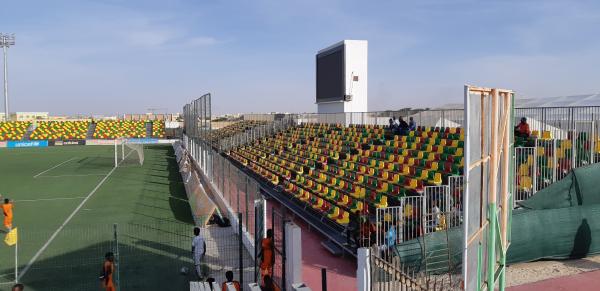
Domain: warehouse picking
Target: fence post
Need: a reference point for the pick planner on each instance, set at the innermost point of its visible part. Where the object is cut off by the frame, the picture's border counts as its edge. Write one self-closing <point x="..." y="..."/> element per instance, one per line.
<point x="241" y="249"/>
<point x="554" y="161"/>
<point x="535" y="170"/>
<point x="117" y="258"/>
<point x="323" y="279"/>
<point x="363" y="270"/>
<point x="283" y="257"/>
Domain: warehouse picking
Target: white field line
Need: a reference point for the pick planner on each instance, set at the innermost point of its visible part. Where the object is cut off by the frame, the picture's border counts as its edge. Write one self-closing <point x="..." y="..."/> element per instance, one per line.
<point x="60" y="228"/>
<point x="50" y="199"/>
<point x="56" y="166"/>
<point x="66" y="176"/>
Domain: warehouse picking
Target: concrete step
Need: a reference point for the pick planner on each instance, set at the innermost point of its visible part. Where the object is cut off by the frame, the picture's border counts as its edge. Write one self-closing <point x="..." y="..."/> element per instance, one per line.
<point x="149" y="129"/>
<point x="30" y="129"/>
<point x="333" y="248"/>
<point x="90" y="131"/>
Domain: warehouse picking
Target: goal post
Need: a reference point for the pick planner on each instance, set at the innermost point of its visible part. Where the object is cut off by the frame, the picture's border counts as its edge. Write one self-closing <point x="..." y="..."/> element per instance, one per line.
<point x="128" y="152"/>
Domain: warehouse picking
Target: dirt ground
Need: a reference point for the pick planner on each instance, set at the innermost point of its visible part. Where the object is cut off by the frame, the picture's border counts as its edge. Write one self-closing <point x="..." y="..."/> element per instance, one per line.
<point x="524" y="273"/>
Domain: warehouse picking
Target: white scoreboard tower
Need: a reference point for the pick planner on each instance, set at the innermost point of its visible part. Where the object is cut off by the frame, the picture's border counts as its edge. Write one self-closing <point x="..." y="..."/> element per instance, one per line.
<point x="342" y="77"/>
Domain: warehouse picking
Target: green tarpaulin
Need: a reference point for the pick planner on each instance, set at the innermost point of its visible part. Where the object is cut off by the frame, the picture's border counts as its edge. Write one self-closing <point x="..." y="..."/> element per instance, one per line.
<point x="559" y="222"/>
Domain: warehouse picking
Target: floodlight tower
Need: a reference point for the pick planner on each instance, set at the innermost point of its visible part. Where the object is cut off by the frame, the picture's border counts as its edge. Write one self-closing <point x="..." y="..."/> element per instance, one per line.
<point x="6" y="40"/>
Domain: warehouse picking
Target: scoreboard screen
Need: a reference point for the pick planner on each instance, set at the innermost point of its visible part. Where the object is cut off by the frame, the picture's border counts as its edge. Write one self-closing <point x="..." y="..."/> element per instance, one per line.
<point x="331" y="84"/>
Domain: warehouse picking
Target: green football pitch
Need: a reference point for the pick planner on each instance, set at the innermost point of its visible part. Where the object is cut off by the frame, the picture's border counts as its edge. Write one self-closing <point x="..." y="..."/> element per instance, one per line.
<point x="72" y="206"/>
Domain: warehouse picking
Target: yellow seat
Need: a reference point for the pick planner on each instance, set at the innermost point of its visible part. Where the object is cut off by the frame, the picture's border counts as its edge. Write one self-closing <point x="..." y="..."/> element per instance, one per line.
<point x="345" y="218"/>
<point x="424" y="174"/>
<point x="526" y="182"/>
<point x="345" y="200"/>
<point x="541" y="151"/>
<point x="459" y="152"/>
<point x="546" y="135"/>
<point x="523" y="170"/>
<point x="437" y="179"/>
<point x="335" y="213"/>
<point x="408" y="210"/>
<point x="383" y="203"/>
<point x="412" y="184"/>
<point x="359" y="206"/>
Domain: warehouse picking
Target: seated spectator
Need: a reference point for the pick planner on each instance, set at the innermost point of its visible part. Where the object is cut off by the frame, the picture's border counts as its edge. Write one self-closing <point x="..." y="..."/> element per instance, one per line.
<point x="412" y="125"/>
<point x="230" y="283"/>
<point x="522" y="129"/>
<point x="391" y="124"/>
<point x="402" y="127"/>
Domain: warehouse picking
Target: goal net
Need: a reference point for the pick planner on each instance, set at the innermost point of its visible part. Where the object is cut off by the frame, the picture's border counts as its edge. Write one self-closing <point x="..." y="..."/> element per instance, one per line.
<point x="128" y="153"/>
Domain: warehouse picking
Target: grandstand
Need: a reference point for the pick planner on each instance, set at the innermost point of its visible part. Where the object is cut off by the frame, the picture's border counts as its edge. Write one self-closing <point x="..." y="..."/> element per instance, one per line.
<point x="332" y="172"/>
<point x="233" y="129"/>
<point x="79" y="130"/>
<point x="107" y="129"/>
<point x="341" y="170"/>
<point x="13" y="130"/>
<point x="60" y="130"/>
<point x="158" y="129"/>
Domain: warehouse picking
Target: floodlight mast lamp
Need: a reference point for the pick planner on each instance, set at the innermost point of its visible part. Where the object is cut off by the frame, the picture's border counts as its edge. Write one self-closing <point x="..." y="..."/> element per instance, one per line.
<point x="6" y="40"/>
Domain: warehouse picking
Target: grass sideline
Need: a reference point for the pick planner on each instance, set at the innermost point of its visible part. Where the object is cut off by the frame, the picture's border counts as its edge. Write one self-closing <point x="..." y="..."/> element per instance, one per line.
<point x="148" y="203"/>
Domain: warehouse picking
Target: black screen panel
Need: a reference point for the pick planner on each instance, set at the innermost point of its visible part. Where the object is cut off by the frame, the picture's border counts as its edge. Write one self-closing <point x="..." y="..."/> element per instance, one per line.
<point x="330" y="75"/>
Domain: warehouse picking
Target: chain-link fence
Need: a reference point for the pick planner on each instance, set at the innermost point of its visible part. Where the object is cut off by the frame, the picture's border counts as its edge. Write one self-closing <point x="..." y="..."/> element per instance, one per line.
<point x="148" y="256"/>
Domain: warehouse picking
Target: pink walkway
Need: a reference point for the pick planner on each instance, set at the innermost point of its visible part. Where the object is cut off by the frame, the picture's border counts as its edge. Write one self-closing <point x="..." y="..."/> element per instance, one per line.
<point x="583" y="281"/>
<point x="341" y="272"/>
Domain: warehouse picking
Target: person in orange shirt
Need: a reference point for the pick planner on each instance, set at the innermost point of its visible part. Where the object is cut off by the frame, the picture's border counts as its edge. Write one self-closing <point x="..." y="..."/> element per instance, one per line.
<point x="108" y="268"/>
<point x="230" y="283"/>
<point x="522" y="129"/>
<point x="7" y="209"/>
<point x="267" y="255"/>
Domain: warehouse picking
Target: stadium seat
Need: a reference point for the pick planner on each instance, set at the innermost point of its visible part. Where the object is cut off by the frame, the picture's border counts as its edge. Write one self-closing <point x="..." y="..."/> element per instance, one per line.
<point x="111" y="129"/>
<point x="60" y="130"/>
<point x="13" y="130"/>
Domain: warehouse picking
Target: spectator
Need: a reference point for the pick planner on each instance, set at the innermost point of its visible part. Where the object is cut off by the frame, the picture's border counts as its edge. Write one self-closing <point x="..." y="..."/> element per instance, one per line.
<point x="230" y="283"/>
<point x="266" y="254"/>
<point x="402" y="127"/>
<point x="395" y="121"/>
<point x="522" y="129"/>
<point x="412" y="125"/>
<point x="198" y="251"/>
<point x="18" y="287"/>
<point x="390" y="237"/>
<point x="392" y="125"/>
<point x="108" y="268"/>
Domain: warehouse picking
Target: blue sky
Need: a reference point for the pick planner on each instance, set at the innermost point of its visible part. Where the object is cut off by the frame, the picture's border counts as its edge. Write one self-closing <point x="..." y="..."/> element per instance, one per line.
<point x="116" y="56"/>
